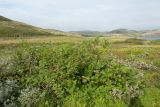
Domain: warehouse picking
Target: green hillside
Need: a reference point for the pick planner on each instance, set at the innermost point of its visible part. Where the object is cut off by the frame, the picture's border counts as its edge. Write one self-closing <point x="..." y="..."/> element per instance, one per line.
<point x="10" y="28"/>
<point x="122" y="32"/>
<point x="4" y="19"/>
<point x="126" y="32"/>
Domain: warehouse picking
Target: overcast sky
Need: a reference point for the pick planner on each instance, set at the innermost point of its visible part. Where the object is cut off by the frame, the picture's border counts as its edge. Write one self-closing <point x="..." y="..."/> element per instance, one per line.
<point x="69" y="15"/>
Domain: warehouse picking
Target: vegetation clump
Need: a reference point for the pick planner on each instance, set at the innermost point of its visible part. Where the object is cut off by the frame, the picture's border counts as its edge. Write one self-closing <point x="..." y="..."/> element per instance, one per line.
<point x="71" y="75"/>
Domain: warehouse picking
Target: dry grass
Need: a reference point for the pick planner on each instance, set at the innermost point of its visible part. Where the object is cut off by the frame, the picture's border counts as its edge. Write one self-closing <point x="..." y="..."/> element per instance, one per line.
<point x="69" y="39"/>
<point x="55" y="39"/>
<point x="116" y="38"/>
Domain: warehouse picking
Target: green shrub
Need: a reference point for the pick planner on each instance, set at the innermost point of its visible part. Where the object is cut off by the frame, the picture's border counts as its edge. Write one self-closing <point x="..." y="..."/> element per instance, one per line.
<point x="81" y="75"/>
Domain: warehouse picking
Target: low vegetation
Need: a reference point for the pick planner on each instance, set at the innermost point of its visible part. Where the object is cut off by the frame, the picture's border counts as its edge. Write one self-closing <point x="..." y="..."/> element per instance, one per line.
<point x="50" y="68"/>
<point x="69" y="75"/>
<point x="76" y="72"/>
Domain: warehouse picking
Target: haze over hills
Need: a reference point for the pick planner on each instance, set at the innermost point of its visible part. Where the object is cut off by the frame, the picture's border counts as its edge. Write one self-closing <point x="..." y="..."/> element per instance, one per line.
<point x="124" y="31"/>
<point x="87" y="33"/>
<point x="61" y="33"/>
<point x="11" y="28"/>
<point x="109" y="33"/>
<point x="120" y="32"/>
<point x="155" y="33"/>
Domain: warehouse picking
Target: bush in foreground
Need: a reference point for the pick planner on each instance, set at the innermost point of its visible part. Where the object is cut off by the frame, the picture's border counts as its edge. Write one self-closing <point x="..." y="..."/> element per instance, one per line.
<point x="72" y="75"/>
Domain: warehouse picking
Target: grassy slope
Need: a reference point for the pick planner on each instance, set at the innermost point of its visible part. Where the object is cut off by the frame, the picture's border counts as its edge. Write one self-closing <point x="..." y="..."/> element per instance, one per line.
<point x="10" y="28"/>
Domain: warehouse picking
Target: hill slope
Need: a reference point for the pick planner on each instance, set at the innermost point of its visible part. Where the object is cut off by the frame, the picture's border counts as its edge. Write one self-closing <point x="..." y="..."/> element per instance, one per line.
<point x="126" y="32"/>
<point x="10" y="28"/>
<point x="121" y="32"/>
<point x="87" y="33"/>
<point x="152" y="33"/>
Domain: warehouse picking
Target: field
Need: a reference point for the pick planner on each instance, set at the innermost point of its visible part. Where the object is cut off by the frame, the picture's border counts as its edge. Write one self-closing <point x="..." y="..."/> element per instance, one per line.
<point x="70" y="71"/>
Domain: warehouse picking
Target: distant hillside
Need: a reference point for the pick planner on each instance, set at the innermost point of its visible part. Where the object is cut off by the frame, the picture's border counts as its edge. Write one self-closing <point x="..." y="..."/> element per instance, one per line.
<point x="87" y="33"/>
<point x="121" y="32"/>
<point x="62" y="33"/>
<point x="155" y="33"/>
<point x="56" y="32"/>
<point x="126" y="32"/>
<point x="10" y="28"/>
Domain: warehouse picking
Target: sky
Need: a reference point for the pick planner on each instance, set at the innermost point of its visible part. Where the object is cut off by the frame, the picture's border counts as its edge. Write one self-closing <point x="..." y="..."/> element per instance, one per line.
<point x="73" y="15"/>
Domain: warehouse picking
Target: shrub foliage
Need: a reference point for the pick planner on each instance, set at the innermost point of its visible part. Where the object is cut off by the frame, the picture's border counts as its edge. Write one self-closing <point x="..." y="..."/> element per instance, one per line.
<point x="71" y="75"/>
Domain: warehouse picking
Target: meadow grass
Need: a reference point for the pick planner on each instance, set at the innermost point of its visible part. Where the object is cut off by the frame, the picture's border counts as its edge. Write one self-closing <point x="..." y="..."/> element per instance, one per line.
<point x="52" y="39"/>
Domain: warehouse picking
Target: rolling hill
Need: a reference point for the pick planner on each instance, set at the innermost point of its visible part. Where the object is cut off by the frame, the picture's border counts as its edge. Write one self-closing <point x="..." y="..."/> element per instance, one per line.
<point x="87" y="33"/>
<point x="153" y="33"/>
<point x="121" y="32"/>
<point x="61" y="33"/>
<point x="10" y="28"/>
<point x="125" y="32"/>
